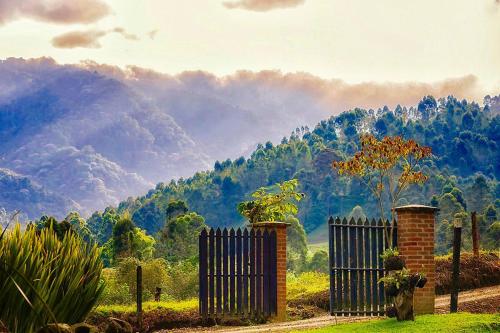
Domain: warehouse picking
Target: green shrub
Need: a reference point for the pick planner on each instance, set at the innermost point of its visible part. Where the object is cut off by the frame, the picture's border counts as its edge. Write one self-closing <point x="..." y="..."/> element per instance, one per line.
<point x="45" y="279"/>
<point x="115" y="292"/>
<point x="182" y="282"/>
<point x="154" y="274"/>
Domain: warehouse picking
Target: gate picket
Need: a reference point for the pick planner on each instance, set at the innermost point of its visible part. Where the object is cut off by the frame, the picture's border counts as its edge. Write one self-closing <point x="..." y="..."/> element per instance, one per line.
<point x="338" y="265"/>
<point x="218" y="266"/>
<point x="381" y="246"/>
<point x="361" y="266"/>
<point x="368" y="280"/>
<point x="211" y="252"/>
<point x="232" y="290"/>
<point x="258" y="277"/>
<point x="252" y="272"/>
<point x="239" y="277"/>
<point x="246" y="263"/>
<point x="345" y="264"/>
<point x="353" y="278"/>
<point x="374" y="286"/>
<point x="225" y="270"/>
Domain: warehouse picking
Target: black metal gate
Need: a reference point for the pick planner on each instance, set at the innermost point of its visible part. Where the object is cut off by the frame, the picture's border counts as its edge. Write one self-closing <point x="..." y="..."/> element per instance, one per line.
<point x="355" y="267"/>
<point x="237" y="273"/>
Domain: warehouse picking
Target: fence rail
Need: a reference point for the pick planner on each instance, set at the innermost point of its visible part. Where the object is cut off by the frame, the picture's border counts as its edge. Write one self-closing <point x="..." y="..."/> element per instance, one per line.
<point x="355" y="266"/>
<point x="237" y="273"/>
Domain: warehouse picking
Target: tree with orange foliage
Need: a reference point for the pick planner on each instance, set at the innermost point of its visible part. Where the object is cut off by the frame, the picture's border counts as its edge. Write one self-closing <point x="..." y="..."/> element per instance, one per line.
<point x="387" y="167"/>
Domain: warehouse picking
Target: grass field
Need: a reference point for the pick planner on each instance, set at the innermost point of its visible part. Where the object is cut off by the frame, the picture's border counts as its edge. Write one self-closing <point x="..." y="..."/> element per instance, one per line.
<point x="148" y="306"/>
<point x="458" y="322"/>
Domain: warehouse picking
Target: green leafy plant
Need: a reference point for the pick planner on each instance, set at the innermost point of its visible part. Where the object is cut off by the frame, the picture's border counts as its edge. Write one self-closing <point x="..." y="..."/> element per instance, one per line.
<point x="44" y="279"/>
<point x="272" y="204"/>
<point x="398" y="278"/>
<point x="389" y="253"/>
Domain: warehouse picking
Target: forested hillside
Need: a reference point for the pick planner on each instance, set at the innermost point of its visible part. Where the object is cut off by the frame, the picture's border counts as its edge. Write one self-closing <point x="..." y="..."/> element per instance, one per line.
<point x="464" y="170"/>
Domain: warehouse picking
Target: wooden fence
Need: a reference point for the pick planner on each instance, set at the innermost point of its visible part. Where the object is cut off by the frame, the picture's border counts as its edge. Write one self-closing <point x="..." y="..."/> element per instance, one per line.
<point x="355" y="266"/>
<point x="237" y="273"/>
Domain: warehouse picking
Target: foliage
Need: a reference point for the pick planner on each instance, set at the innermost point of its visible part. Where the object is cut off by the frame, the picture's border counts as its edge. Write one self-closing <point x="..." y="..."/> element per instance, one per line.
<point x="296" y="246"/>
<point x="398" y="278"/>
<point x="40" y="271"/>
<point x="129" y="241"/>
<point x="319" y="262"/>
<point x="389" y="252"/>
<point x="178" y="239"/>
<point x="387" y="167"/>
<point x="273" y="204"/>
<point x="461" y="154"/>
<point x="456" y="322"/>
<point x="182" y="282"/>
<point x="101" y="224"/>
<point x="115" y="291"/>
<point x="154" y="274"/>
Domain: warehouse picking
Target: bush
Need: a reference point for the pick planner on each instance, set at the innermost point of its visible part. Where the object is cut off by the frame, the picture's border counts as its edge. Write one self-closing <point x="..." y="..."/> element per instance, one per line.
<point x="61" y="278"/>
<point x="114" y="292"/>
<point x="474" y="272"/>
<point x="182" y="282"/>
<point x="154" y="274"/>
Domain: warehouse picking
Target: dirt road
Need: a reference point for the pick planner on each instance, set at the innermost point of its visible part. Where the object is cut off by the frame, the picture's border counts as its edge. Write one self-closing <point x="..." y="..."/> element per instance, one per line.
<point x="442" y="303"/>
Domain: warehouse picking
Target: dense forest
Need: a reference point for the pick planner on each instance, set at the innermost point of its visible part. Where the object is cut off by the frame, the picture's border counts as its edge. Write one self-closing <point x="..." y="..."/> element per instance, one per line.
<point x="464" y="171"/>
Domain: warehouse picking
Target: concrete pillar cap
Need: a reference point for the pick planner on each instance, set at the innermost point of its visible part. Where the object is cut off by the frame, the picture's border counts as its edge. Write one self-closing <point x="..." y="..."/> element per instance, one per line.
<point x="416" y="208"/>
<point x="272" y="224"/>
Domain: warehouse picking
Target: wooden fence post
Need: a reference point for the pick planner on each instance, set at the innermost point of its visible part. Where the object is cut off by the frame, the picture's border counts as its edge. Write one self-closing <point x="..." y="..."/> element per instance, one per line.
<point x="475" y="235"/>
<point x="139" y="296"/>
<point x="457" y="236"/>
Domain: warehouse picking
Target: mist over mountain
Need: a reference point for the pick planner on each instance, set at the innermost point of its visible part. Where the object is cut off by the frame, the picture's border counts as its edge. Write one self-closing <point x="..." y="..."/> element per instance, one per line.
<point x="92" y="135"/>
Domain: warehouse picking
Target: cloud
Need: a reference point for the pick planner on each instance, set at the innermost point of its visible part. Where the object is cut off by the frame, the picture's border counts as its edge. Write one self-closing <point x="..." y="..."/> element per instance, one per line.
<point x="262" y="5"/>
<point x="125" y="34"/>
<point x="152" y="33"/>
<point x="87" y="39"/>
<point x="54" y="11"/>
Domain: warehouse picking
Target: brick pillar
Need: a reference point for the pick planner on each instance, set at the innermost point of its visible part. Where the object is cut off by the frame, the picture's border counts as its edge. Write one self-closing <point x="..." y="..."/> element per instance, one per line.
<point x="280" y="228"/>
<point x="416" y="245"/>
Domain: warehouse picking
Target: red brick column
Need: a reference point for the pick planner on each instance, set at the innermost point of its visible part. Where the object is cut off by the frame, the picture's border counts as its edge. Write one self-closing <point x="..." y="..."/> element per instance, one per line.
<point x="280" y="228"/>
<point x="416" y="245"/>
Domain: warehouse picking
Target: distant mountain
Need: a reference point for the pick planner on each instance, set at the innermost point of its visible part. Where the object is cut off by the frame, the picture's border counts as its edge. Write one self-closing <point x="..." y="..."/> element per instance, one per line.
<point x="18" y="191"/>
<point x="96" y="134"/>
<point x="87" y="137"/>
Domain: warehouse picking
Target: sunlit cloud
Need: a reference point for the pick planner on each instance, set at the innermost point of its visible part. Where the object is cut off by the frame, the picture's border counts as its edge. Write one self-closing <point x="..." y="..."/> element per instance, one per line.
<point x="88" y="39"/>
<point x="262" y="5"/>
<point x="152" y="33"/>
<point x="54" y="11"/>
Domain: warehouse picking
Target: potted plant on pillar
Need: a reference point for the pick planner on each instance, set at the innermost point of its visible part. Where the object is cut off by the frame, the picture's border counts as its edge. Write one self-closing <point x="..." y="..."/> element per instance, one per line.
<point x="272" y="204"/>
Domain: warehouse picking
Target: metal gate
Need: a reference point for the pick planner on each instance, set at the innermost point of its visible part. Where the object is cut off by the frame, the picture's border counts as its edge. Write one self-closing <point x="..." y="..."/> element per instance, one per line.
<point x="237" y="273"/>
<point x="355" y="267"/>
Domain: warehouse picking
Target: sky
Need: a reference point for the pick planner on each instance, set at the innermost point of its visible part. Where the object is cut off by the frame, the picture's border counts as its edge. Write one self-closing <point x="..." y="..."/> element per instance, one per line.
<point x="355" y="41"/>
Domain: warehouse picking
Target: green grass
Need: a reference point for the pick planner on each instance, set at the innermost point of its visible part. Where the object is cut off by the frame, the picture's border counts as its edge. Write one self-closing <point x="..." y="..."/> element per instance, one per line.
<point x="302" y="285"/>
<point x="148" y="306"/>
<point x="457" y="322"/>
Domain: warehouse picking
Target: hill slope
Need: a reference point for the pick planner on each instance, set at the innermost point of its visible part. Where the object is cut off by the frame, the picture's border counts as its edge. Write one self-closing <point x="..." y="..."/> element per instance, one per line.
<point x="464" y="138"/>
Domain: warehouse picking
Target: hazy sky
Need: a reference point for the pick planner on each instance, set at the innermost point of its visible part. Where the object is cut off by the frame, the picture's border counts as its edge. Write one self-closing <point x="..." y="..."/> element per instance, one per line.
<point x="356" y="41"/>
